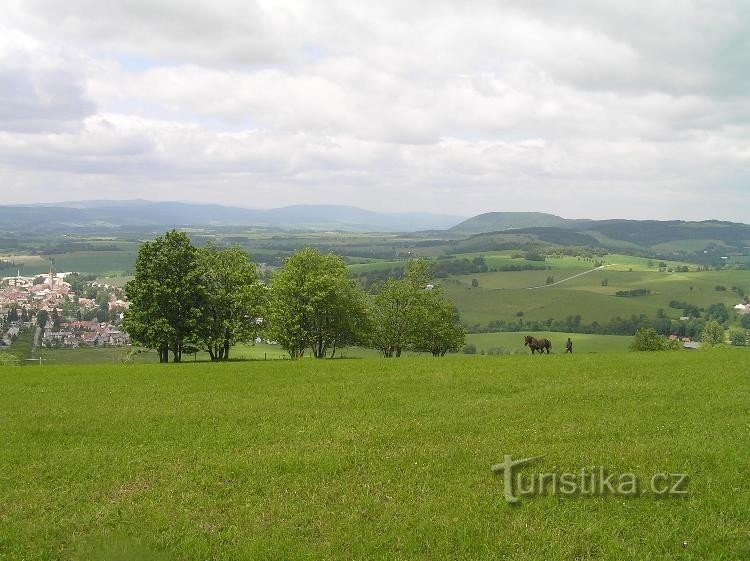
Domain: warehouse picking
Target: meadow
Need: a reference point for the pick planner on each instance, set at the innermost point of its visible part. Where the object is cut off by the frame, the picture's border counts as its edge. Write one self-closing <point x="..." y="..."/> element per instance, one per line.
<point x="372" y="459"/>
<point x="512" y="343"/>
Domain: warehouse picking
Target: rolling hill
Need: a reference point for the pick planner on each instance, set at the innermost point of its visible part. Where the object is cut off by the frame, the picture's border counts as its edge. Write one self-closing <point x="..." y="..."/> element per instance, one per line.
<point x="108" y="215"/>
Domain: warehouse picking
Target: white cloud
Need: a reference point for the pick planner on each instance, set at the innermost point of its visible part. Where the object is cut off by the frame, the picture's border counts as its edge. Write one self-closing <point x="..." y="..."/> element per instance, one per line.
<point x="598" y="108"/>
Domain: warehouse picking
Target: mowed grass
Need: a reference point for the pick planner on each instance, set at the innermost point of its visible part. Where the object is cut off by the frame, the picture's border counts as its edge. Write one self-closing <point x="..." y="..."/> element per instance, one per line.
<point x="372" y="459"/>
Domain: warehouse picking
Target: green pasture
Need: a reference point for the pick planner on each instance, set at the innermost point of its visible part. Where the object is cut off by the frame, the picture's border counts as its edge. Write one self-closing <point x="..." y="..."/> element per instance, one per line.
<point x="373" y="459"/>
<point x="512" y="343"/>
<point x="502" y="295"/>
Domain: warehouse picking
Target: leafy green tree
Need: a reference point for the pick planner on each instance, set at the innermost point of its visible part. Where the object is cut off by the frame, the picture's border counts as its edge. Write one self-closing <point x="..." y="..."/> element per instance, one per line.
<point x="314" y="304"/>
<point x="164" y="295"/>
<point x="740" y="337"/>
<point x="412" y="313"/>
<point x="718" y="312"/>
<point x="438" y="329"/>
<point x="42" y="316"/>
<point x="647" y="339"/>
<point x="713" y="334"/>
<point x="396" y="308"/>
<point x="745" y="321"/>
<point x="55" y="318"/>
<point x="232" y="300"/>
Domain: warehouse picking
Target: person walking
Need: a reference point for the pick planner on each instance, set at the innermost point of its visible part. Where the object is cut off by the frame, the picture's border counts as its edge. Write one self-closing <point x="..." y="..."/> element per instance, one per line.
<point x="569" y="346"/>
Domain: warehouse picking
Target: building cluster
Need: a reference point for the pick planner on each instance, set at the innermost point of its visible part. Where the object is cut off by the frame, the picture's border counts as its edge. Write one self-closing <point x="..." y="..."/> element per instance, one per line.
<point x="23" y="297"/>
<point x="85" y="334"/>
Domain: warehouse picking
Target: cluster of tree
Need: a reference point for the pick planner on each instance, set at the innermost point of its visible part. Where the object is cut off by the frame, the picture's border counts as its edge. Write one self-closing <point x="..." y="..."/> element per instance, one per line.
<point x="740" y="337"/>
<point x="15" y="314"/>
<point x="445" y="267"/>
<point x="185" y="298"/>
<point x="411" y="313"/>
<point x="648" y="339"/>
<point x="633" y="292"/>
<point x="571" y="324"/>
<point x="79" y="282"/>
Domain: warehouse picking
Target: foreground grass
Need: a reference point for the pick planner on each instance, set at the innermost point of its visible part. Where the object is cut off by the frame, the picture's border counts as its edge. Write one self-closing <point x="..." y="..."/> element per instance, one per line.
<point x="371" y="458"/>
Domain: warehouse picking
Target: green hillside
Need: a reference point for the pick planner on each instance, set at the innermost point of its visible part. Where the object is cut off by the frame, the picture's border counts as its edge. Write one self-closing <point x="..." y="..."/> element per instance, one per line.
<point x="372" y="459"/>
<point x="497" y="221"/>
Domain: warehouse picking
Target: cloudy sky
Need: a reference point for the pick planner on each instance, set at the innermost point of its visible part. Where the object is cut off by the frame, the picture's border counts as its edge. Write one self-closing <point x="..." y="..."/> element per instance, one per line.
<point x="583" y="108"/>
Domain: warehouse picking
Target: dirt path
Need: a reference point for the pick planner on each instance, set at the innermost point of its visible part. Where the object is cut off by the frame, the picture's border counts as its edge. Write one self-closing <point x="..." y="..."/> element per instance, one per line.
<point x="569" y="278"/>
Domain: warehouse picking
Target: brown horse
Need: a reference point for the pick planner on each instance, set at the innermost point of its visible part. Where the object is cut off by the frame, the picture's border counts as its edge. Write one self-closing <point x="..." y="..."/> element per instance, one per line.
<point x="537" y="344"/>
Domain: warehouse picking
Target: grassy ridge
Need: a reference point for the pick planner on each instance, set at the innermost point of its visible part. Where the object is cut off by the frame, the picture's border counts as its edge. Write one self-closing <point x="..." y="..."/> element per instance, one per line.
<point x="371" y="458"/>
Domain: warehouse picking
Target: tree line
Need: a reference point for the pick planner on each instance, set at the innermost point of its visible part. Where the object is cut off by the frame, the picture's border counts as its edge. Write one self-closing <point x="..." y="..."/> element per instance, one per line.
<point x="184" y="298"/>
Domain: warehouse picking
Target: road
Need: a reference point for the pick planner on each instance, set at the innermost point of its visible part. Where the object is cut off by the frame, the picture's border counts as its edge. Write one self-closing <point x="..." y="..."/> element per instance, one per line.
<point x="569" y="278"/>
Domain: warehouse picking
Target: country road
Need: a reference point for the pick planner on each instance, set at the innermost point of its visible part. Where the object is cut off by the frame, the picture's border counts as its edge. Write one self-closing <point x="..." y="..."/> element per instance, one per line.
<point x="569" y="278"/>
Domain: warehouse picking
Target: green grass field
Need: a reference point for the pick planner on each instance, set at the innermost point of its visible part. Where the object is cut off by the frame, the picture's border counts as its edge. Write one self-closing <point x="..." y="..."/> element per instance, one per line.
<point x="372" y="459"/>
<point x="501" y="295"/>
<point x="512" y="343"/>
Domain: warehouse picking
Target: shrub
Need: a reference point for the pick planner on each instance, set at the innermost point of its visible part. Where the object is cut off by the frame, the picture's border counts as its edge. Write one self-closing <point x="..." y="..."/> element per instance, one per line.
<point x="470" y="349"/>
<point x="713" y="334"/>
<point x="647" y="339"/>
<point x="740" y="338"/>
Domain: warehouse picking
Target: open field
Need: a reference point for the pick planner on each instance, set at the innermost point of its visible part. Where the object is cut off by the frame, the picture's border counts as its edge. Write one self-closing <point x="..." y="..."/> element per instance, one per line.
<point x="372" y="459"/>
<point x="582" y="343"/>
<point x="501" y="295"/>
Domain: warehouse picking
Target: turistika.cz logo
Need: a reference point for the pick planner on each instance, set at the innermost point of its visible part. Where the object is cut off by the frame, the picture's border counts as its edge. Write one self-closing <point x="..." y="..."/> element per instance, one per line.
<point x="591" y="481"/>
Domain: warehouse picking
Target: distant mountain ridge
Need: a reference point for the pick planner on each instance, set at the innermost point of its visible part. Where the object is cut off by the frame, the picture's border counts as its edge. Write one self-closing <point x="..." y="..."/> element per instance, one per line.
<point x="77" y="215"/>
<point x="498" y="221"/>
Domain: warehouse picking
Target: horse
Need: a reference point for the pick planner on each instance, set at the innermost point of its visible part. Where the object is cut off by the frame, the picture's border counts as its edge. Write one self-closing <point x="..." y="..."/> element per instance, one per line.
<point x="537" y="344"/>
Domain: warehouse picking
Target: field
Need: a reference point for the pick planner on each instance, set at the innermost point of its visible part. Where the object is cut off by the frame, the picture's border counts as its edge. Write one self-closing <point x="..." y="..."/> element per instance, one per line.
<point x="502" y="295"/>
<point x="512" y="343"/>
<point x="372" y="459"/>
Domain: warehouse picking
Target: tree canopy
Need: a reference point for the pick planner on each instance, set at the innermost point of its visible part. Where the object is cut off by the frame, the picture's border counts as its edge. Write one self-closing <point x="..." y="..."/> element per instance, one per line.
<point x="314" y="304"/>
<point x="164" y="295"/>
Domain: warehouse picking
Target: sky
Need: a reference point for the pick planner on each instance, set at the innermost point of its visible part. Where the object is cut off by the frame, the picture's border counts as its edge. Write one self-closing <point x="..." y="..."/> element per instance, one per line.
<point x="582" y="108"/>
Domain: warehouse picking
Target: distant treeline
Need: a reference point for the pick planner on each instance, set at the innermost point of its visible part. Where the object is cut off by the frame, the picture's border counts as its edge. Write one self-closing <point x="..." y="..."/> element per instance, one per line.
<point x="442" y="268"/>
<point x="690" y="327"/>
<point x="633" y="292"/>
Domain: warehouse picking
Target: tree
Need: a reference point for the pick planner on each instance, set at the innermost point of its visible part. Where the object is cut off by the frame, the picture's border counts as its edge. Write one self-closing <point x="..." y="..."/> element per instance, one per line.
<point x="395" y="309"/>
<point x="55" y="317"/>
<point x="164" y="295"/>
<point x="713" y="334"/>
<point x="412" y="313"/>
<point x="647" y="339"/>
<point x="314" y="304"/>
<point x="740" y="337"/>
<point x="745" y="321"/>
<point x="438" y="327"/>
<point x="231" y="303"/>
<point x="42" y="316"/>
<point x="718" y="312"/>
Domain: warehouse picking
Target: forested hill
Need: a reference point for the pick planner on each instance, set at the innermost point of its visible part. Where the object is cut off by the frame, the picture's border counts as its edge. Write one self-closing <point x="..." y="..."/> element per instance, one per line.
<point x="608" y="233"/>
<point x="103" y="215"/>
